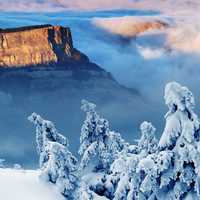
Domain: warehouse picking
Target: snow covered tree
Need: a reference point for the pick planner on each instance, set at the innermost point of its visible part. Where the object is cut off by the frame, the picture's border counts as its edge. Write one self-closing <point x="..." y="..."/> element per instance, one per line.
<point x="173" y="171"/>
<point x="180" y="119"/>
<point x="45" y="132"/>
<point x="99" y="145"/>
<point x="123" y="180"/>
<point x="61" y="168"/>
<point x="148" y="143"/>
<point x="181" y="136"/>
<point x="152" y="168"/>
<point x="169" y="169"/>
<point x="125" y="168"/>
<point x="125" y="173"/>
<point x="84" y="193"/>
<point x="57" y="163"/>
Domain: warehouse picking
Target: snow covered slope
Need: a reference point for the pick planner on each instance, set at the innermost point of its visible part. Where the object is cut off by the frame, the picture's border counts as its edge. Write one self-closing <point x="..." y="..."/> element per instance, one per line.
<point x="25" y="185"/>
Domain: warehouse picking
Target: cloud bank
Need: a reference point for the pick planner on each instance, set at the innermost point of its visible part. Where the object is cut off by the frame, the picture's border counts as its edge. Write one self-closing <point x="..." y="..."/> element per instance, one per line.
<point x="130" y="26"/>
<point x="186" y="36"/>
<point x="182" y="6"/>
<point x="56" y="5"/>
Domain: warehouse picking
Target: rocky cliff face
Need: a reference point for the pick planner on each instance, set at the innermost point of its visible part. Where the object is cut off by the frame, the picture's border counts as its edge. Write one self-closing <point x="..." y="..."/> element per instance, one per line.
<point x="36" y="45"/>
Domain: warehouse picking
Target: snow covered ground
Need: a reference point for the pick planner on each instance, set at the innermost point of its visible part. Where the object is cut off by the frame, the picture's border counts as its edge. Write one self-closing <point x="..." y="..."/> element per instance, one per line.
<point x="25" y="185"/>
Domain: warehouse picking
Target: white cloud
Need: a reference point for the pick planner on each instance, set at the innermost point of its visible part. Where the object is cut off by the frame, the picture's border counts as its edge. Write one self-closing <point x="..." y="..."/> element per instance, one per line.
<point x="182" y="34"/>
<point x="149" y="53"/>
<point x="96" y="4"/>
<point x="182" y="6"/>
<point x="129" y="26"/>
<point x="55" y="5"/>
<point x="185" y="37"/>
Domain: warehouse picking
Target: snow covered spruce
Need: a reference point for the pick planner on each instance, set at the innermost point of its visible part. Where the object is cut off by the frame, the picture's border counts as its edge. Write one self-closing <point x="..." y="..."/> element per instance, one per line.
<point x="99" y="146"/>
<point x="110" y="168"/>
<point x="57" y="163"/>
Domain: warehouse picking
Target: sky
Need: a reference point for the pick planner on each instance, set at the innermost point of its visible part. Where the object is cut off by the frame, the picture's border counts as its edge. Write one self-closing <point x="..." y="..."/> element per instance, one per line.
<point x="65" y="4"/>
<point x="182" y="6"/>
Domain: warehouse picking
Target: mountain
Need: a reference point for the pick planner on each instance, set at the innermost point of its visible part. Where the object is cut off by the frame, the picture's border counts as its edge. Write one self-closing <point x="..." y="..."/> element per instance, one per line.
<point x="44" y="54"/>
<point x="34" y="53"/>
<point x="36" y="45"/>
<point x="42" y="72"/>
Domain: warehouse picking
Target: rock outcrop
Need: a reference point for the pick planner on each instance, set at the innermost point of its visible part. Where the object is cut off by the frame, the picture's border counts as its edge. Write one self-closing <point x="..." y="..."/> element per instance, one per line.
<point x="37" y="45"/>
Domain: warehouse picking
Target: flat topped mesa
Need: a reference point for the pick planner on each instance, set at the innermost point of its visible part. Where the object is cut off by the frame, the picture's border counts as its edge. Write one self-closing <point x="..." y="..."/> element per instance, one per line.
<point x="36" y="45"/>
<point x="24" y="28"/>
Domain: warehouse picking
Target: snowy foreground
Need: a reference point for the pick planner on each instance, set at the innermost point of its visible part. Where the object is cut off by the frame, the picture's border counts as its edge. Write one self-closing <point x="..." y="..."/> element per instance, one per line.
<point x="26" y="185"/>
<point x="111" y="168"/>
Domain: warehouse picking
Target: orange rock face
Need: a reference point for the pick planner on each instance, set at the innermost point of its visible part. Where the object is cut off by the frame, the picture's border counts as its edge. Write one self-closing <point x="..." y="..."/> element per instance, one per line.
<point x="36" y="45"/>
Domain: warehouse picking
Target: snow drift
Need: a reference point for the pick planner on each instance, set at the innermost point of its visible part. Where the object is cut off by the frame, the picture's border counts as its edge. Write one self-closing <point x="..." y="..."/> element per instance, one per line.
<point x="23" y="185"/>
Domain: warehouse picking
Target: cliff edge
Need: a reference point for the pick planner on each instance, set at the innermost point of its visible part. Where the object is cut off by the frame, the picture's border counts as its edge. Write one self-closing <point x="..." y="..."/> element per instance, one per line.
<point x="37" y="45"/>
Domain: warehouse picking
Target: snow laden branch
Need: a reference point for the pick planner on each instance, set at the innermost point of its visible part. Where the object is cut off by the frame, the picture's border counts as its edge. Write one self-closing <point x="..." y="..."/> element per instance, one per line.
<point x="99" y="145"/>
<point x="57" y="163"/>
<point x="180" y="119"/>
<point x="110" y="168"/>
